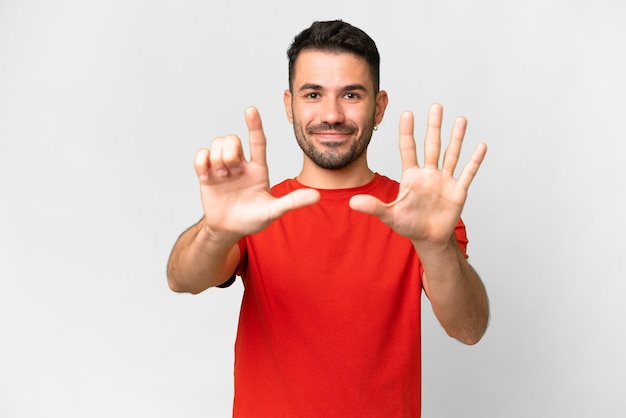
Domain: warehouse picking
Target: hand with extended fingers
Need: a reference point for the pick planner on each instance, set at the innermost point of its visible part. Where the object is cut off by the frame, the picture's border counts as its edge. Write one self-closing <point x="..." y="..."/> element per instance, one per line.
<point x="430" y="199"/>
<point x="235" y="193"/>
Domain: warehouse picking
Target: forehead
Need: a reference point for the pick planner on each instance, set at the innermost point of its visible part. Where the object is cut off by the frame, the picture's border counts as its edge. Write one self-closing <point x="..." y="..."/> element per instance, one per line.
<point x="328" y="69"/>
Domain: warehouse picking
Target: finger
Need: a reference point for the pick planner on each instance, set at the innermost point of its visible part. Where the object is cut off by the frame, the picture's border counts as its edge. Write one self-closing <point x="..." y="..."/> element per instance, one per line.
<point x="201" y="164"/>
<point x="432" y="142"/>
<point x="407" y="142"/>
<point x="370" y="205"/>
<point x="216" y="162"/>
<point x="232" y="154"/>
<point x="471" y="168"/>
<point x="294" y="200"/>
<point x="256" y="135"/>
<point x="453" y="151"/>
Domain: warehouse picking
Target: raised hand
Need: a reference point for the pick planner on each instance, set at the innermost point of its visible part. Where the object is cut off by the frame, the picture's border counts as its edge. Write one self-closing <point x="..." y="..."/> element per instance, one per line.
<point x="430" y="199"/>
<point x="235" y="193"/>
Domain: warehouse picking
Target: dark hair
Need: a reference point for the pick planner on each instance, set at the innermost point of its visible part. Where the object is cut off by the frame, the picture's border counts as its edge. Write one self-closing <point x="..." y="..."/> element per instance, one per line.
<point x="336" y="36"/>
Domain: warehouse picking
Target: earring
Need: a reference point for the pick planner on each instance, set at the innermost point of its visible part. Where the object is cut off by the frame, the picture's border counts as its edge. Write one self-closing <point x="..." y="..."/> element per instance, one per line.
<point x="375" y="127"/>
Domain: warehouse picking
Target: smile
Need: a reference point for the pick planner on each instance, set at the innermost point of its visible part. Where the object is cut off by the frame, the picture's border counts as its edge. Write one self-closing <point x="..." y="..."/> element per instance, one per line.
<point x="331" y="138"/>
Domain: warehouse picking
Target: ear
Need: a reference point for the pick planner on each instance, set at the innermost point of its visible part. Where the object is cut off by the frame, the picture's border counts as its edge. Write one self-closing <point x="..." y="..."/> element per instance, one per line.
<point x="287" y="100"/>
<point x="381" y="104"/>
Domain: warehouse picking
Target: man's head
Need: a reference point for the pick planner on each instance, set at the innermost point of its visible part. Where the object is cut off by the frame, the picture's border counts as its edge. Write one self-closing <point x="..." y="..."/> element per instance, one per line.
<point x="333" y="100"/>
<point x="336" y="36"/>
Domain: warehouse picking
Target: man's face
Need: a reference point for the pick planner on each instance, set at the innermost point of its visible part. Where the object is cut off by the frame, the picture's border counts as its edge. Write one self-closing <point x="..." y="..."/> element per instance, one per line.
<point x="333" y="107"/>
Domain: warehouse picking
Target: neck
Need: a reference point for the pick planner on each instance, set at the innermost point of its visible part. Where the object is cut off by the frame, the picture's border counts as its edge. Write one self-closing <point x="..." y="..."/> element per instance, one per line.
<point x="355" y="175"/>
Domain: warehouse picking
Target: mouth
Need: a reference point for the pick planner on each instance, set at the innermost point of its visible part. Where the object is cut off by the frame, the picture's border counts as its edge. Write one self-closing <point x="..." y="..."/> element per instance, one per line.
<point x="331" y="135"/>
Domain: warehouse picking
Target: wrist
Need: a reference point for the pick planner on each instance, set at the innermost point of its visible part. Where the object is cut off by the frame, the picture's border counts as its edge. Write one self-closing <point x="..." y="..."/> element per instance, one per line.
<point x="438" y="252"/>
<point x="215" y="237"/>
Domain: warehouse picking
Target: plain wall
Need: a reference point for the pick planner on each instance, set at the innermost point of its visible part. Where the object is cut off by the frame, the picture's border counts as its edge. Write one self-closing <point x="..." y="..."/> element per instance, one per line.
<point x="103" y="105"/>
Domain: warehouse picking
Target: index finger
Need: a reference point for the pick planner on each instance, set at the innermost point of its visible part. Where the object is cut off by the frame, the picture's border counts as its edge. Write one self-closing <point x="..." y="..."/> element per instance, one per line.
<point x="256" y="136"/>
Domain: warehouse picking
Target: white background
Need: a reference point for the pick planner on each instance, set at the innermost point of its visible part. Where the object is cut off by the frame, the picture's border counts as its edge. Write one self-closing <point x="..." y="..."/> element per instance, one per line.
<point x="103" y="105"/>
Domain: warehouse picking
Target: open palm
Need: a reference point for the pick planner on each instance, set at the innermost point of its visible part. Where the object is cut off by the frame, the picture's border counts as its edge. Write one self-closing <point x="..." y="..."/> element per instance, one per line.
<point x="430" y="199"/>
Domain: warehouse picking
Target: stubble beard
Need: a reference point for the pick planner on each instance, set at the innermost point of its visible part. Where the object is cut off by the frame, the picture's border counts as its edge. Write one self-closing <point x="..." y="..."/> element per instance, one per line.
<point x="331" y="158"/>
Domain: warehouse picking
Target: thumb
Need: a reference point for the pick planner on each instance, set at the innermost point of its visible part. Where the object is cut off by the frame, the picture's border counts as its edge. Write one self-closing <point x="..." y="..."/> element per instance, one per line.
<point x="294" y="200"/>
<point x="369" y="205"/>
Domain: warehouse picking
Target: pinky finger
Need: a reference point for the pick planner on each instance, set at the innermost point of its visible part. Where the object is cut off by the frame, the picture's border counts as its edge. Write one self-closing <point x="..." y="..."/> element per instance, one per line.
<point x="471" y="168"/>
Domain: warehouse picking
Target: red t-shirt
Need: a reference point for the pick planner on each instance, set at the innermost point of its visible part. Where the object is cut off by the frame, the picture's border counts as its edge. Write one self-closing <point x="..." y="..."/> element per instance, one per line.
<point x="330" y="316"/>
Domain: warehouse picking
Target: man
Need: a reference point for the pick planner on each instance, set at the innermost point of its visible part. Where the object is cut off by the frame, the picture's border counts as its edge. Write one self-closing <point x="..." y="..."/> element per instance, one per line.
<point x="334" y="260"/>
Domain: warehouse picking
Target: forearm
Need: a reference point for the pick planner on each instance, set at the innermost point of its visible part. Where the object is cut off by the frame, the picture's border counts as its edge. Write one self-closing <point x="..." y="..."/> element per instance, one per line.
<point x="200" y="260"/>
<point x="457" y="294"/>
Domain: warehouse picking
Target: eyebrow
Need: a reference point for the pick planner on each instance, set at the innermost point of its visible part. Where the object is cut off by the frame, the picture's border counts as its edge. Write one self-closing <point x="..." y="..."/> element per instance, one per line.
<point x="317" y="87"/>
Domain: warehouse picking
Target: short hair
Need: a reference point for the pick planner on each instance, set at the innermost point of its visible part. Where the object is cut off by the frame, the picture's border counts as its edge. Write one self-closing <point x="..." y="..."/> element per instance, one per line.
<point x="336" y="36"/>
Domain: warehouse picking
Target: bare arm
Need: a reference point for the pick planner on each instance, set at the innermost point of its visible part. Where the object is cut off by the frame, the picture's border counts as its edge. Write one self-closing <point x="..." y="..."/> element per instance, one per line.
<point x="427" y="209"/>
<point x="199" y="261"/>
<point x="455" y="291"/>
<point x="236" y="201"/>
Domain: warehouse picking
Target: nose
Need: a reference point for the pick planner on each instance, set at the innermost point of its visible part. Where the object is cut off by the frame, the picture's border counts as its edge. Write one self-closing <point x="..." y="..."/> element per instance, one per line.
<point x="331" y="111"/>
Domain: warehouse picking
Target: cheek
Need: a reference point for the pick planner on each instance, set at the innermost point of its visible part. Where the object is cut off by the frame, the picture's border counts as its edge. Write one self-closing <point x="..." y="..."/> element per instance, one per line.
<point x="304" y="116"/>
<point x="361" y="115"/>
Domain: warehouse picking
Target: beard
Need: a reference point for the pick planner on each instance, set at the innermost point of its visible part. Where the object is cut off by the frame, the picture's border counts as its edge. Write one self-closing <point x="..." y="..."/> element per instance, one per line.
<point x="332" y="158"/>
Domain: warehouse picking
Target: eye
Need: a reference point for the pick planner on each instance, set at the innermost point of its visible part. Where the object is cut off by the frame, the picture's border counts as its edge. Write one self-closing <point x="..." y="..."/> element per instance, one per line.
<point x="312" y="95"/>
<point x="351" y="96"/>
